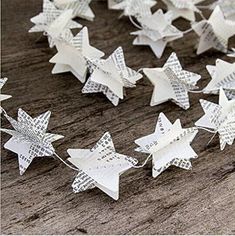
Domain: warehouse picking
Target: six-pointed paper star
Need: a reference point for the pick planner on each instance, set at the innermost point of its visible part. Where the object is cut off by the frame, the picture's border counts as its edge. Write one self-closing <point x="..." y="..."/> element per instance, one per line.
<point x="73" y="55"/>
<point x="168" y="145"/>
<point x="55" y="23"/>
<point x="223" y="76"/>
<point x="156" y="32"/>
<point x="137" y="8"/>
<point x="227" y="7"/>
<point x="182" y="8"/>
<point x="110" y="76"/>
<point x="80" y="8"/>
<point x="3" y="96"/>
<point x="29" y="139"/>
<point x="100" y="167"/>
<point x="214" y="32"/>
<point x="220" y="118"/>
<point x="171" y="82"/>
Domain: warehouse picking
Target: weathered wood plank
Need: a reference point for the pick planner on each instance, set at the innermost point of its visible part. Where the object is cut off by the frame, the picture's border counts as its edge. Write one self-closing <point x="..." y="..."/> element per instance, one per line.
<point x="41" y="201"/>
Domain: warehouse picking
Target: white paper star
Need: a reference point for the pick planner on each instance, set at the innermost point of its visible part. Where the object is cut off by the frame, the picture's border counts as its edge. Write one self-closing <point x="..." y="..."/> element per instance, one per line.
<point x="171" y="82"/>
<point x="110" y="76"/>
<point x="72" y="56"/>
<point x="227" y="7"/>
<point x="182" y="8"/>
<point x="55" y="23"/>
<point x="156" y="32"/>
<point x="80" y="8"/>
<point x="29" y="139"/>
<point x="214" y="32"/>
<point x="100" y="167"/>
<point x="223" y="76"/>
<point x="3" y="96"/>
<point x="219" y="118"/>
<point x="168" y="145"/>
<point x="137" y="8"/>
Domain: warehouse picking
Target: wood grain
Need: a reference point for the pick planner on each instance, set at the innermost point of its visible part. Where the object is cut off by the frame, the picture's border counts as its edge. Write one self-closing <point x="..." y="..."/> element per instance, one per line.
<point x="41" y="201"/>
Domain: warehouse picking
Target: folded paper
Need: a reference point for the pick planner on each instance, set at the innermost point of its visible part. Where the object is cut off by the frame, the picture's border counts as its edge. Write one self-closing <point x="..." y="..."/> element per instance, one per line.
<point x="171" y="82"/>
<point x="80" y="8"/>
<point x="220" y="118"/>
<point x="72" y="56"/>
<point x="223" y="76"/>
<point x="100" y="167"/>
<point x="29" y="138"/>
<point x="227" y="7"/>
<point x="214" y="32"/>
<point x="137" y="8"/>
<point x="55" y="23"/>
<point x="168" y="145"/>
<point x="110" y="76"/>
<point x="3" y="96"/>
<point x="182" y="8"/>
<point x="156" y="32"/>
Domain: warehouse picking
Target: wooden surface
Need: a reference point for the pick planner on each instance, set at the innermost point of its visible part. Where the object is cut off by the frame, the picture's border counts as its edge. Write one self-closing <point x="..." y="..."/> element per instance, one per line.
<point x="201" y="201"/>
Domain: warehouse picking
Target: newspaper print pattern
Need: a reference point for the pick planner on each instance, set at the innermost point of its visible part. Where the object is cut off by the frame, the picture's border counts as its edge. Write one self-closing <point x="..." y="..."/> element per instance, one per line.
<point x="129" y="76"/>
<point x="51" y="17"/>
<point x="80" y="8"/>
<point x="219" y="119"/>
<point x="181" y="81"/>
<point x="183" y="138"/>
<point x="103" y="154"/>
<point x="31" y="133"/>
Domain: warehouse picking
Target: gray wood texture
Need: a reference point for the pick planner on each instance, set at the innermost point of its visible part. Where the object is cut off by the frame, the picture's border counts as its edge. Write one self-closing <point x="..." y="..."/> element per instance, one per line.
<point x="41" y="201"/>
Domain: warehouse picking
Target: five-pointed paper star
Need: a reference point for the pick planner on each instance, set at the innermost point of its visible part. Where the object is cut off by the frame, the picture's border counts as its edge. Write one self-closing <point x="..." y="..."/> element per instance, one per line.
<point x="156" y="32"/>
<point x="227" y="7"/>
<point x="137" y="8"/>
<point x="214" y="32"/>
<point x="29" y="139"/>
<point x="182" y="8"/>
<point x="72" y="56"/>
<point x="171" y="82"/>
<point x="80" y="8"/>
<point x="223" y="76"/>
<point x="3" y="96"/>
<point x="55" y="23"/>
<point x="110" y="76"/>
<point x="100" y="167"/>
<point x="219" y="118"/>
<point x="168" y="145"/>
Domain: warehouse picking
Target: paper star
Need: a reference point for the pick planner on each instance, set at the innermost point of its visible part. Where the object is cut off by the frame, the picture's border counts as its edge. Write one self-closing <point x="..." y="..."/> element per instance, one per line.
<point x="214" y="32"/>
<point x="168" y="145"/>
<point x="110" y="76"/>
<point x="100" y="167"/>
<point x="72" y="56"/>
<point x="219" y="118"/>
<point x="3" y="96"/>
<point x="227" y="7"/>
<point x="80" y="8"/>
<point x="137" y="8"/>
<point x="171" y="82"/>
<point x="182" y="8"/>
<point x="223" y="76"/>
<point x="29" y="139"/>
<point x="156" y="32"/>
<point x="54" y="23"/>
